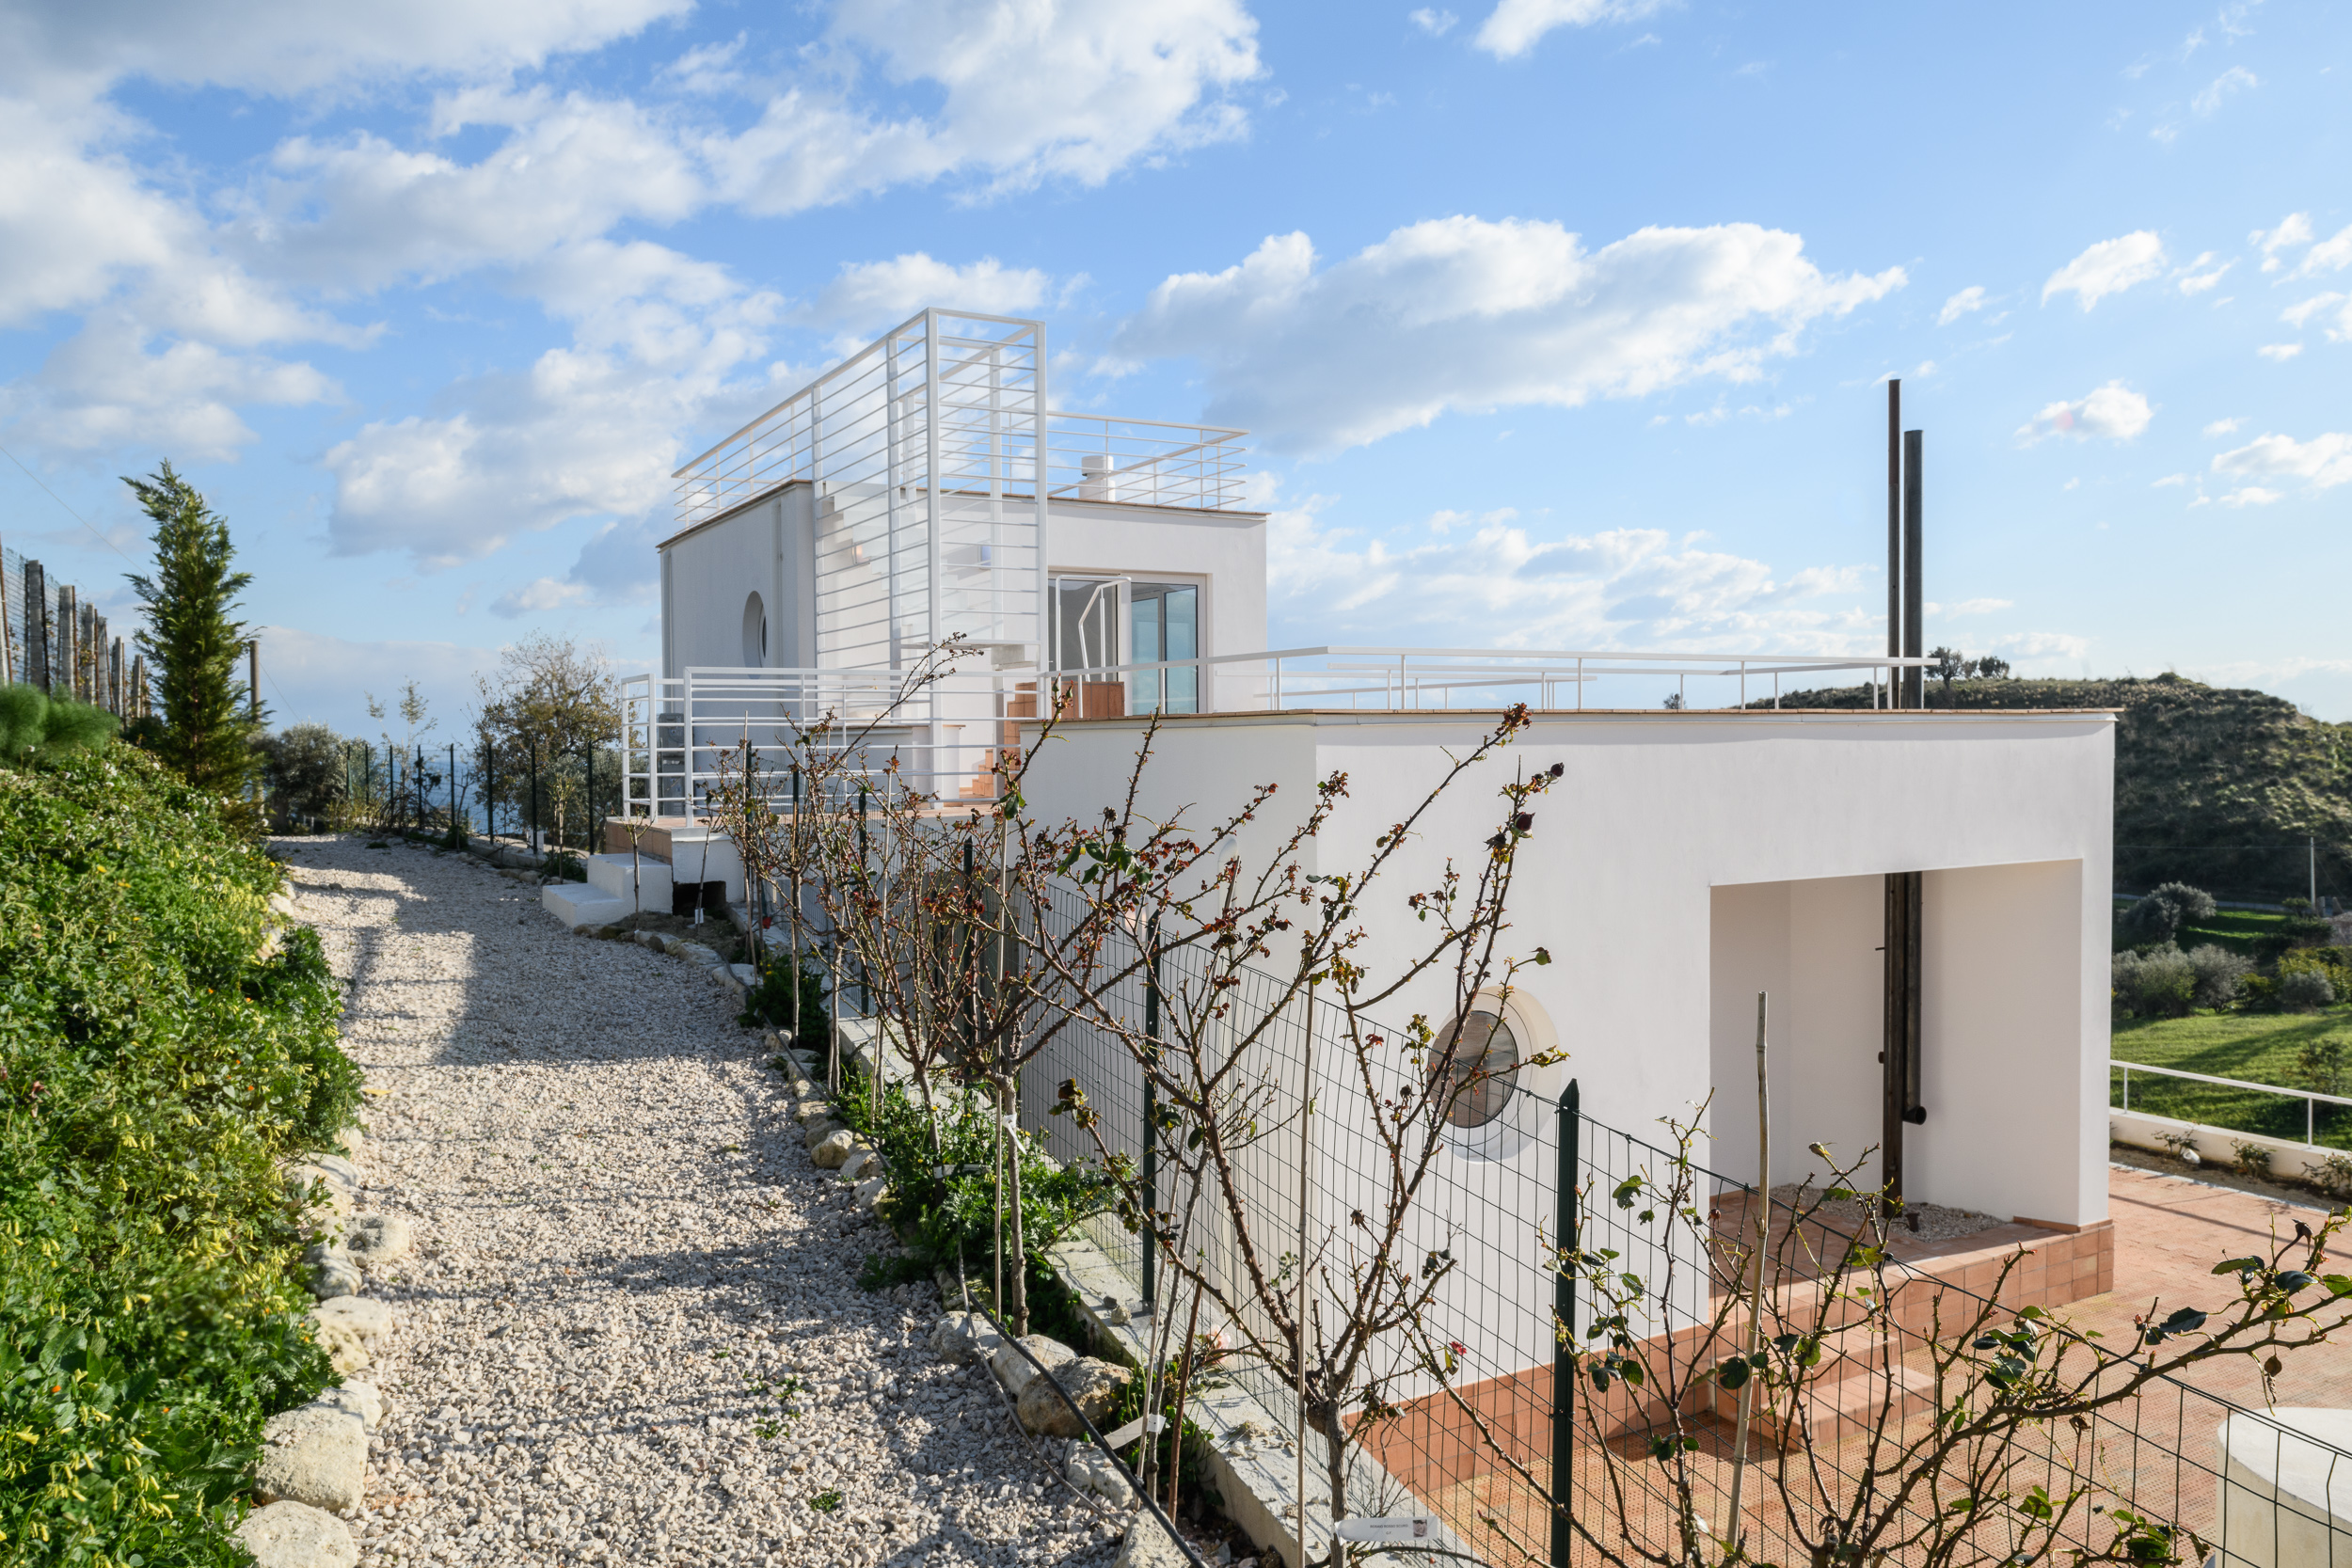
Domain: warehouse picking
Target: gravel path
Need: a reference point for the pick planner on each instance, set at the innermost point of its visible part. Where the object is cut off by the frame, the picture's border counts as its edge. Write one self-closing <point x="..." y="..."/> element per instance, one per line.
<point x="624" y="1252"/>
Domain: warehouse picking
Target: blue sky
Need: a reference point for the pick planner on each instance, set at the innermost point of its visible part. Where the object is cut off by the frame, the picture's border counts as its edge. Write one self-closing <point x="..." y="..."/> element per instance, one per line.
<point x="1559" y="322"/>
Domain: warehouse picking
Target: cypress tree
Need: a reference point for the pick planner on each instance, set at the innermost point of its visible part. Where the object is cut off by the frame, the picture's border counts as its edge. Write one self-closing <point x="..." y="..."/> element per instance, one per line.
<point x="191" y="640"/>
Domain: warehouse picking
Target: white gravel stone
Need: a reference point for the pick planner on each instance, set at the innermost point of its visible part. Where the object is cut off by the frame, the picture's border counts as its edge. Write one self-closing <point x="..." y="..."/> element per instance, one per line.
<point x="295" y="1535"/>
<point x="622" y="1252"/>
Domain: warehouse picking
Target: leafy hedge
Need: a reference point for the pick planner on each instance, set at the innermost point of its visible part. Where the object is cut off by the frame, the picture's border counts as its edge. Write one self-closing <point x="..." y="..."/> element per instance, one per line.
<point x="154" y="1067"/>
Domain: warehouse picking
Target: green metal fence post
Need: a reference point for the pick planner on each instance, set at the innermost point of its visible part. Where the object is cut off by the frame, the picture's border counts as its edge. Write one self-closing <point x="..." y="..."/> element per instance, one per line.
<point x="1152" y="1117"/>
<point x="1563" y="1346"/>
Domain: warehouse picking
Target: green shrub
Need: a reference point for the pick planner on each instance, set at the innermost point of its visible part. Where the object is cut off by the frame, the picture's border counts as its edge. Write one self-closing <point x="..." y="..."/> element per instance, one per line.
<point x="2323" y="1067"/>
<point x="156" y="1063"/>
<point x="778" y="1003"/>
<point x="2303" y="991"/>
<point x="942" y="1198"/>
<point x="2219" y="973"/>
<point x="2157" y="918"/>
<point x="34" y="724"/>
<point x="2158" y="984"/>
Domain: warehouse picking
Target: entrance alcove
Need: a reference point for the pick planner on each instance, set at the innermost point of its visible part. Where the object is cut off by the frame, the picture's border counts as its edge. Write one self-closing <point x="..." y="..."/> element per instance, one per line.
<point x="2004" y="1068"/>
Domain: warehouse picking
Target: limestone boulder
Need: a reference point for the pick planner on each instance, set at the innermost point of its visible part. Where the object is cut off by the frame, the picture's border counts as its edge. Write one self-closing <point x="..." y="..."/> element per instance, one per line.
<point x="367" y="1318"/>
<point x="373" y="1239"/>
<point x="818" y="1132"/>
<point x="295" y="1535"/>
<point x="316" y="1455"/>
<point x="363" y="1401"/>
<point x="1147" y="1545"/>
<point x="344" y="1348"/>
<point x="1015" y="1370"/>
<point x="834" y="1151"/>
<point x="331" y="1271"/>
<point x="1092" y="1386"/>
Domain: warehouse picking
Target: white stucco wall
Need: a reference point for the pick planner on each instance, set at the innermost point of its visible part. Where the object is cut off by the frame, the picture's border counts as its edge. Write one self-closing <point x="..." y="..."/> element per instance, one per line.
<point x="1223" y="551"/>
<point x="1657" y="817"/>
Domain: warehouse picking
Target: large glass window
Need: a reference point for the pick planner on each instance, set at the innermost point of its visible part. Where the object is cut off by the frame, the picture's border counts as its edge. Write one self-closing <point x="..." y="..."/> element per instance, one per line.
<point x="1163" y="623"/>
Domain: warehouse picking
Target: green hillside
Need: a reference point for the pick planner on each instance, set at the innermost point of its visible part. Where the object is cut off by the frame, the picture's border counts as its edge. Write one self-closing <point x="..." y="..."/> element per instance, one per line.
<point x="2214" y="785"/>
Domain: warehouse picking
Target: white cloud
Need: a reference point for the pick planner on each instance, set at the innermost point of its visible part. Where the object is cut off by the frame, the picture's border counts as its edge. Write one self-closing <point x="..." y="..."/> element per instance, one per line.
<point x="1616" y="588"/>
<point x="540" y="596"/>
<point x="2332" y="254"/>
<point x="2223" y="427"/>
<point x="2279" y="352"/>
<point x="1974" y="606"/>
<point x="2251" y="495"/>
<point x="2321" y="462"/>
<point x="2114" y="411"/>
<point x="1970" y="298"/>
<point x="869" y="296"/>
<point x="2295" y="228"/>
<point x="1462" y="313"/>
<point x="2319" y="305"/>
<point x="662" y="345"/>
<point x="293" y="46"/>
<point x="1436" y="23"/>
<point x="2109" y="267"/>
<point x="2170" y="482"/>
<point x="1516" y="26"/>
<point x="106" y="389"/>
<point x="2234" y="80"/>
<point x="1028" y="91"/>
<point x="2201" y="275"/>
<point x="362" y="213"/>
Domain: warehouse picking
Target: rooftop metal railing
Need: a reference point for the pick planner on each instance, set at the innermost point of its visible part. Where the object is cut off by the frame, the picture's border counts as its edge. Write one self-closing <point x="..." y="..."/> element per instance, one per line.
<point x="946" y="736"/>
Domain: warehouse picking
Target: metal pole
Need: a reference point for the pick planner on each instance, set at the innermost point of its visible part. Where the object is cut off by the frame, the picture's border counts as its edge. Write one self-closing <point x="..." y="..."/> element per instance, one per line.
<point x="1915" y="607"/>
<point x="532" y="844"/>
<point x="1734" y="1534"/>
<point x="453" y="786"/>
<point x="865" y="976"/>
<point x="1894" y="536"/>
<point x="1563" y="1333"/>
<point x="1150" y="1113"/>
<point x="1306" y="1169"/>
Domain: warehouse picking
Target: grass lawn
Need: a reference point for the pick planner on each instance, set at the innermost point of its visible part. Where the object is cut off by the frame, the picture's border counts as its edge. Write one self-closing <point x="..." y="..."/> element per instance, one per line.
<point x="2259" y="1047"/>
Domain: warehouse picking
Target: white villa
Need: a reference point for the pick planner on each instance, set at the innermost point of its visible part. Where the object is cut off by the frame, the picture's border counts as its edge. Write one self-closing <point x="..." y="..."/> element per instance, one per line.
<point x="924" y="488"/>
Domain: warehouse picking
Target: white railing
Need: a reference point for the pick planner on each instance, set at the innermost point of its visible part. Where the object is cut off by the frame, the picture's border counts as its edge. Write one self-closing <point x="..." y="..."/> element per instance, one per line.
<point x="946" y="736"/>
<point x="2312" y="1098"/>
<point x="1096" y="457"/>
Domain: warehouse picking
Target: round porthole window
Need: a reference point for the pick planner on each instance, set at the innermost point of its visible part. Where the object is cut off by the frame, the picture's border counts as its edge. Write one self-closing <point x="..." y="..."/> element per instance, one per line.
<point x="1485" y="1071"/>
<point x="1506" y="1076"/>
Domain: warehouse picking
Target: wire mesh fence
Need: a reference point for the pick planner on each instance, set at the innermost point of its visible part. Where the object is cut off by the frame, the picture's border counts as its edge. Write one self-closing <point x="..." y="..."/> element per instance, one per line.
<point x="1556" y="1392"/>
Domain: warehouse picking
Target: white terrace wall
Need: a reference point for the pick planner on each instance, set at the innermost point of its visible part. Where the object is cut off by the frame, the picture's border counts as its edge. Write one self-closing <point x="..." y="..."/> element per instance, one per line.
<point x="1657" y="812"/>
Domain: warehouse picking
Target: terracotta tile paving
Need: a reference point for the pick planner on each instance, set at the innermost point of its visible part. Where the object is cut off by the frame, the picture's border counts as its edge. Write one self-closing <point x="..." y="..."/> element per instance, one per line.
<point x="2169" y="1232"/>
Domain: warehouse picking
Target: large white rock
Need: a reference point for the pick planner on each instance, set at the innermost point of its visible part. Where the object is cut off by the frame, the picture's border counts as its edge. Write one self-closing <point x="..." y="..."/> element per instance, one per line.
<point x="1091" y="1470"/>
<point x="332" y="1272"/>
<point x="1147" y="1545"/>
<point x="818" y="1131"/>
<point x="362" y="1399"/>
<point x="832" y="1151"/>
<point x="373" y="1239"/>
<point x="1013" y="1370"/>
<point x="1093" y="1384"/>
<point x="365" y="1318"/>
<point x="316" y="1454"/>
<point x="964" y="1338"/>
<point x="295" y="1535"/>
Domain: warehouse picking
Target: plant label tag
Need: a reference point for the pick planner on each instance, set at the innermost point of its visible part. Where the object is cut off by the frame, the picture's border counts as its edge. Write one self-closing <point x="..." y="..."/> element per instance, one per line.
<point x="1417" y="1528"/>
<point x="1136" y="1428"/>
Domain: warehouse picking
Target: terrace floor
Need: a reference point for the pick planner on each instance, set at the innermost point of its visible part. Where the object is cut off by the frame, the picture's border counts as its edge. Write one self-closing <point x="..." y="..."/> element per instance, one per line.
<point x="2169" y="1232"/>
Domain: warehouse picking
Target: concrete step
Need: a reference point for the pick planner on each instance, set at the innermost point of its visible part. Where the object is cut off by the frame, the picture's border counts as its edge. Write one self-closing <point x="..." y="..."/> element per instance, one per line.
<point x="577" y="904"/>
<point x="610" y="874"/>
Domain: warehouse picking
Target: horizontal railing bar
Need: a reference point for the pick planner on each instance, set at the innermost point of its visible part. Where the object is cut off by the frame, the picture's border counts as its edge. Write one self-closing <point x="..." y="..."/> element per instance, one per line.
<point x="2232" y="1083"/>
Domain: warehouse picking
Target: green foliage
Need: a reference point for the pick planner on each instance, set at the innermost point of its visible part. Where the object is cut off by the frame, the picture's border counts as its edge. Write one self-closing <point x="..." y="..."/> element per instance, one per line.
<point x="1188" y="1446"/>
<point x="2159" y="917"/>
<point x="942" y="1195"/>
<point x="2158" y="984"/>
<point x="308" y="768"/>
<point x="191" y="640"/>
<point x="156" y="1063"/>
<point x="2322" y="1064"/>
<point x="2306" y="987"/>
<point x="2220" y="974"/>
<point x="34" y="724"/>
<point x="778" y="1003"/>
